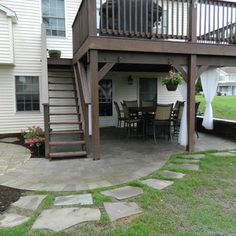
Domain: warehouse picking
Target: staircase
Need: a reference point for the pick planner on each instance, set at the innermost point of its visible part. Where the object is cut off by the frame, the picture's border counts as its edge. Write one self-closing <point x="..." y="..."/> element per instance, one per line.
<point x="65" y="131"/>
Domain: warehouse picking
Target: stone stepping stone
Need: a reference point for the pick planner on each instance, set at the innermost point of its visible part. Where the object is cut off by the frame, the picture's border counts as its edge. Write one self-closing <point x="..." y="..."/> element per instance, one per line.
<point x="118" y="210"/>
<point x="123" y="192"/>
<point x="12" y="220"/>
<point x="185" y="166"/>
<point x="194" y="156"/>
<point x="225" y="154"/>
<point x="157" y="183"/>
<point x="172" y="174"/>
<point x="182" y="160"/>
<point x="61" y="219"/>
<point x="234" y="152"/>
<point x="82" y="199"/>
<point x="30" y="202"/>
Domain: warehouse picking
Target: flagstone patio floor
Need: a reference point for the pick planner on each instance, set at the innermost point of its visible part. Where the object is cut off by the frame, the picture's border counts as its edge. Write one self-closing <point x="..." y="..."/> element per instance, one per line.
<point x="121" y="160"/>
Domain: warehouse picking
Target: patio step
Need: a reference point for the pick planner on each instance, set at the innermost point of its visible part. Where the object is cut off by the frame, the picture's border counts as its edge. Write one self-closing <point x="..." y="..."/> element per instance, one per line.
<point x="61" y="83"/>
<point x="81" y="142"/>
<point x="61" y="90"/>
<point x="62" y="105"/>
<point x="67" y="154"/>
<point x="66" y="132"/>
<point x="66" y="123"/>
<point x="62" y="97"/>
<point x="65" y="114"/>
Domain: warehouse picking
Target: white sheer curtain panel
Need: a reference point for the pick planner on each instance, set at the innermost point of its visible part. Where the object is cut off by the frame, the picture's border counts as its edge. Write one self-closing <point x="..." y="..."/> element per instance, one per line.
<point x="209" y="81"/>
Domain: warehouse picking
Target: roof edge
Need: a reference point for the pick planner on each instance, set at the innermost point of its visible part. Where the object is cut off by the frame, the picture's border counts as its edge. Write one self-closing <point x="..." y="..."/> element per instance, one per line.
<point x="9" y="13"/>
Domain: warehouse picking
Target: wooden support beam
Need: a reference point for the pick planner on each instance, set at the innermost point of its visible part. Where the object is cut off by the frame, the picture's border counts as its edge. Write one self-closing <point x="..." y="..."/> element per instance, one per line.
<point x="191" y="102"/>
<point x="182" y="71"/>
<point x="105" y="69"/>
<point x="201" y="69"/>
<point x="95" y="104"/>
<point x="46" y="128"/>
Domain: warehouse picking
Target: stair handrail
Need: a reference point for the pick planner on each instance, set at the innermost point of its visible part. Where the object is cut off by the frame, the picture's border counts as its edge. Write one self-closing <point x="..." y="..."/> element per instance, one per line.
<point x="84" y="97"/>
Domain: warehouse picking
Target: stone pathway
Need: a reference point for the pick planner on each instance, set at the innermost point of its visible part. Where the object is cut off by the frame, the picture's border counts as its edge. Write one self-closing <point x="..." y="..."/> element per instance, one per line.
<point x="157" y="183"/>
<point x="118" y="210"/>
<point x="12" y="220"/>
<point x="225" y="154"/>
<point x="182" y="160"/>
<point x="63" y="214"/>
<point x="12" y="156"/>
<point x="31" y="202"/>
<point x="81" y="199"/>
<point x="172" y="174"/>
<point x="61" y="219"/>
<point x="184" y="166"/>
<point x="123" y="193"/>
<point x="194" y="156"/>
<point x="10" y="140"/>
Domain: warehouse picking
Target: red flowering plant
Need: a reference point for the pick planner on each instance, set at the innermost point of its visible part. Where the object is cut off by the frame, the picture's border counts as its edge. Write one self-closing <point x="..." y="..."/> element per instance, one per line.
<point x="34" y="140"/>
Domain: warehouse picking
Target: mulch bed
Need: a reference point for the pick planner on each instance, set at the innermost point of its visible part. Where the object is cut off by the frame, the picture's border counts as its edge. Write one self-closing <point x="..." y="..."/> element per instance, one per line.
<point x="8" y="196"/>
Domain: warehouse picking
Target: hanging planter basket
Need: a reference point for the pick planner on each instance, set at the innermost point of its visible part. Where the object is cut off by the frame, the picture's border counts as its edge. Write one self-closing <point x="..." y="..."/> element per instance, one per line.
<point x="171" y="87"/>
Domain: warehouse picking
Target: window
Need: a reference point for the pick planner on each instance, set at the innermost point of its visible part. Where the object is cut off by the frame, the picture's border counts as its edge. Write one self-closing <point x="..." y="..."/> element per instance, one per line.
<point x="105" y="97"/>
<point x="54" y="17"/>
<point x="27" y="93"/>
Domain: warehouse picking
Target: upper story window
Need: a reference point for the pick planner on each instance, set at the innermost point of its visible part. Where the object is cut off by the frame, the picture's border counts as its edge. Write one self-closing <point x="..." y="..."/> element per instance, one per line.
<point x="54" y="17"/>
<point x="27" y="93"/>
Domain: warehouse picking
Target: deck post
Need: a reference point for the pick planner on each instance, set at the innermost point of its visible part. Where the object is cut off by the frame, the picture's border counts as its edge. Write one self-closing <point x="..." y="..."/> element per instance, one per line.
<point x="46" y="128"/>
<point x="191" y="102"/>
<point x="95" y="104"/>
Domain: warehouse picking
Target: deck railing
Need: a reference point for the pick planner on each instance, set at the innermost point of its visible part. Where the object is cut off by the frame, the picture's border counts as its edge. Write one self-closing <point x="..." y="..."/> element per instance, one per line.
<point x="212" y="21"/>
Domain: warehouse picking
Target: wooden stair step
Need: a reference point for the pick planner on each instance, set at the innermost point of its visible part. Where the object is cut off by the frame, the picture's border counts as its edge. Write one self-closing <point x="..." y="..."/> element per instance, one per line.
<point x="66" y="114"/>
<point x="62" y="105"/>
<point x="66" y="132"/>
<point x="56" y="143"/>
<point x="62" y="90"/>
<point x="67" y="154"/>
<point x="65" y="123"/>
<point x="62" y="97"/>
<point x="62" y="83"/>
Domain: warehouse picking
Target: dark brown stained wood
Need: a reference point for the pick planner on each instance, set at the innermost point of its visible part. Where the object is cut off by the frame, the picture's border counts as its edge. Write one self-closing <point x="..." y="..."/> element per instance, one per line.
<point x="68" y="154"/>
<point x="95" y="104"/>
<point x="67" y="143"/>
<point x="62" y="105"/>
<point x="59" y="61"/>
<point x="64" y="114"/>
<point x="191" y="102"/>
<point x="85" y="98"/>
<point x="182" y="71"/>
<point x="192" y="23"/>
<point x="105" y="69"/>
<point x="66" y="132"/>
<point x="120" y="44"/>
<point x="141" y="58"/>
<point x="46" y="128"/>
<point x="200" y="70"/>
<point x="66" y="123"/>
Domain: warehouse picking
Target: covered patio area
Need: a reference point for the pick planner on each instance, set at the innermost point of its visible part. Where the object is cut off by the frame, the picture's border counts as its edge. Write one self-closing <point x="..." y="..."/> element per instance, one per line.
<point x="121" y="161"/>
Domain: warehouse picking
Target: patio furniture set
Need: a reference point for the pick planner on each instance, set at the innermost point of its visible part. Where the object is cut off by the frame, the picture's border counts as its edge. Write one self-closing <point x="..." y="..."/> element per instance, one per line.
<point x="150" y="118"/>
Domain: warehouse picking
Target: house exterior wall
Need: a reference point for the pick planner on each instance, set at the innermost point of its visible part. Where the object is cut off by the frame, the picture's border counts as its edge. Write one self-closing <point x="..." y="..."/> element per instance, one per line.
<point x="6" y="40"/>
<point x="27" y="46"/>
<point x="123" y="91"/>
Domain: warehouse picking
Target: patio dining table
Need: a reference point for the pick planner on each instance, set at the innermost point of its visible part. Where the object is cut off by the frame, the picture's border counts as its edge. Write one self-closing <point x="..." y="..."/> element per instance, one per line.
<point x="144" y="113"/>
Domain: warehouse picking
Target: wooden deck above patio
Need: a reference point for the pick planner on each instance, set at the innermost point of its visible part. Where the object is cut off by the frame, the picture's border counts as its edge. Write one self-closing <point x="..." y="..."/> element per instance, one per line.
<point x="188" y="27"/>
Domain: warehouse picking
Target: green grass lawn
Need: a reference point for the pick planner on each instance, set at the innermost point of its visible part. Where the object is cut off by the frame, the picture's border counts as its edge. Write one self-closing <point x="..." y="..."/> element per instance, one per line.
<point x="202" y="203"/>
<point x="223" y="106"/>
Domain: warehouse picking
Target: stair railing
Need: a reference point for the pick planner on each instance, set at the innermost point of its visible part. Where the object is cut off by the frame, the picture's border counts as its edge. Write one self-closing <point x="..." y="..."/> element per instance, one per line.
<point x="84" y="97"/>
<point x="45" y="102"/>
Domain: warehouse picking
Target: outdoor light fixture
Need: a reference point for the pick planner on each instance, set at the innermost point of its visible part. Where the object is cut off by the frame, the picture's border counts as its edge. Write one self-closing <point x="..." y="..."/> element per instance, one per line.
<point x="130" y="80"/>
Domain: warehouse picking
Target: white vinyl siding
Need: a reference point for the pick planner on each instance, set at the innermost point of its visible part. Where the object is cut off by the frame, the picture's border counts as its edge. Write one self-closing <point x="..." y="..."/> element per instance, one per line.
<point x="123" y="91"/>
<point x="65" y="43"/>
<point x="27" y="46"/>
<point x="6" y="39"/>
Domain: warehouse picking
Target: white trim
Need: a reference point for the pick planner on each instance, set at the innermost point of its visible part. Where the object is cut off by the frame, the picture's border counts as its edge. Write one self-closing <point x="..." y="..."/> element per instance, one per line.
<point x="9" y="13"/>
